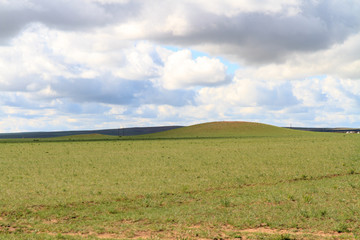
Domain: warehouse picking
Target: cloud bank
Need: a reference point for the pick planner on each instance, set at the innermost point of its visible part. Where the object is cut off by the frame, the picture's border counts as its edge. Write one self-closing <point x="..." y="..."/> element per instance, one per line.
<point x="86" y="64"/>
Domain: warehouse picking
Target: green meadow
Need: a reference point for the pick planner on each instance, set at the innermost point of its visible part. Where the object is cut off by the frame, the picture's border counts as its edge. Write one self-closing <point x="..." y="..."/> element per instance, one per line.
<point x="224" y="180"/>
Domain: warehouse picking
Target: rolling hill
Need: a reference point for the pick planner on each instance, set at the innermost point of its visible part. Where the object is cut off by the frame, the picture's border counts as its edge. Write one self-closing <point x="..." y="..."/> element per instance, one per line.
<point x="223" y="129"/>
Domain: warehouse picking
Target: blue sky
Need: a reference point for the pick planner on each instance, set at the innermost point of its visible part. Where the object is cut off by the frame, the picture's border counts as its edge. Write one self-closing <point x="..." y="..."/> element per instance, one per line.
<point x="94" y="64"/>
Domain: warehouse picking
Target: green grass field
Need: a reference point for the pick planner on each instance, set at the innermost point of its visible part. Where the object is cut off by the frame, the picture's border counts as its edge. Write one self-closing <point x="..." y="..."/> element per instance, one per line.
<point x="227" y="180"/>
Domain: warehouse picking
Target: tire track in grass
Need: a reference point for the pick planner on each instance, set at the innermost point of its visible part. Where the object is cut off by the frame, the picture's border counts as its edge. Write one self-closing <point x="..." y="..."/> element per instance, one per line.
<point x="304" y="178"/>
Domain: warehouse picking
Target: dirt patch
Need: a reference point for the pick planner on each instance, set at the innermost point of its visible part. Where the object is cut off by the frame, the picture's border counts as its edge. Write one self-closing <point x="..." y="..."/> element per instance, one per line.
<point x="124" y="235"/>
<point x="196" y="232"/>
<point x="8" y="228"/>
<point x="51" y="221"/>
<point x="296" y="232"/>
<point x="37" y="208"/>
<point x="106" y="236"/>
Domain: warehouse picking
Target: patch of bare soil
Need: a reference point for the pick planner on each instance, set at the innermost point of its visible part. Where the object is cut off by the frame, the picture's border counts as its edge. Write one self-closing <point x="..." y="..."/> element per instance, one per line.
<point x="298" y="232"/>
<point x="8" y="228"/>
<point x="124" y="235"/>
<point x="191" y="232"/>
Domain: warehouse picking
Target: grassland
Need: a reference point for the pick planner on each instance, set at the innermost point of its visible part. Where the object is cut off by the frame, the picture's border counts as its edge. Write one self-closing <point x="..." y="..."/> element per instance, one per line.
<point x="211" y="181"/>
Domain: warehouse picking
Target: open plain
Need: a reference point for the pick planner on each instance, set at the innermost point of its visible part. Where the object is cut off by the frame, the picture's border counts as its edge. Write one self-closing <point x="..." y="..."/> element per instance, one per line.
<point x="223" y="180"/>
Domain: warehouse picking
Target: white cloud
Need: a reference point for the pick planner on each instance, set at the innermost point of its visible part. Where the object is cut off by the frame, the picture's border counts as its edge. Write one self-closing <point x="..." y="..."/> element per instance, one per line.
<point x="252" y="31"/>
<point x="250" y="93"/>
<point x="340" y="60"/>
<point x="310" y="92"/>
<point x="181" y="71"/>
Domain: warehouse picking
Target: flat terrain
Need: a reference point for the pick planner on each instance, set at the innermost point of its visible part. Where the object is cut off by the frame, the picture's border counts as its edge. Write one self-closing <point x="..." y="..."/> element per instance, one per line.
<point x="210" y="181"/>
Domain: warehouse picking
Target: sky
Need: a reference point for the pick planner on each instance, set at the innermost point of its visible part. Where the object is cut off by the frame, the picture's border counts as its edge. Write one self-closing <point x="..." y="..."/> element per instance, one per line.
<point x="97" y="64"/>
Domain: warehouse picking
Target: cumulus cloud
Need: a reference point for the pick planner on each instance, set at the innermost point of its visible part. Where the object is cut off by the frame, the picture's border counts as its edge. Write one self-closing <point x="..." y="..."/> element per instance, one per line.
<point x="62" y="14"/>
<point x="310" y="102"/>
<point x="340" y="60"/>
<point x="250" y="93"/>
<point x="61" y="67"/>
<point x="251" y="31"/>
<point x="248" y="32"/>
<point x="181" y="71"/>
<point x="119" y="91"/>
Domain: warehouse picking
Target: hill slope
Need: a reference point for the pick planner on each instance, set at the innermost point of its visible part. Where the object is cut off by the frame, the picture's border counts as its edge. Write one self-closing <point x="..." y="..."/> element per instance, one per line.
<point x="224" y="129"/>
<point x="110" y="132"/>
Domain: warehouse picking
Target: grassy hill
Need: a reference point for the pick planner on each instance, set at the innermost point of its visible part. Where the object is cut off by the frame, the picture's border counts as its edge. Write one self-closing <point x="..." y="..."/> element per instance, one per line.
<point x="224" y="129"/>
